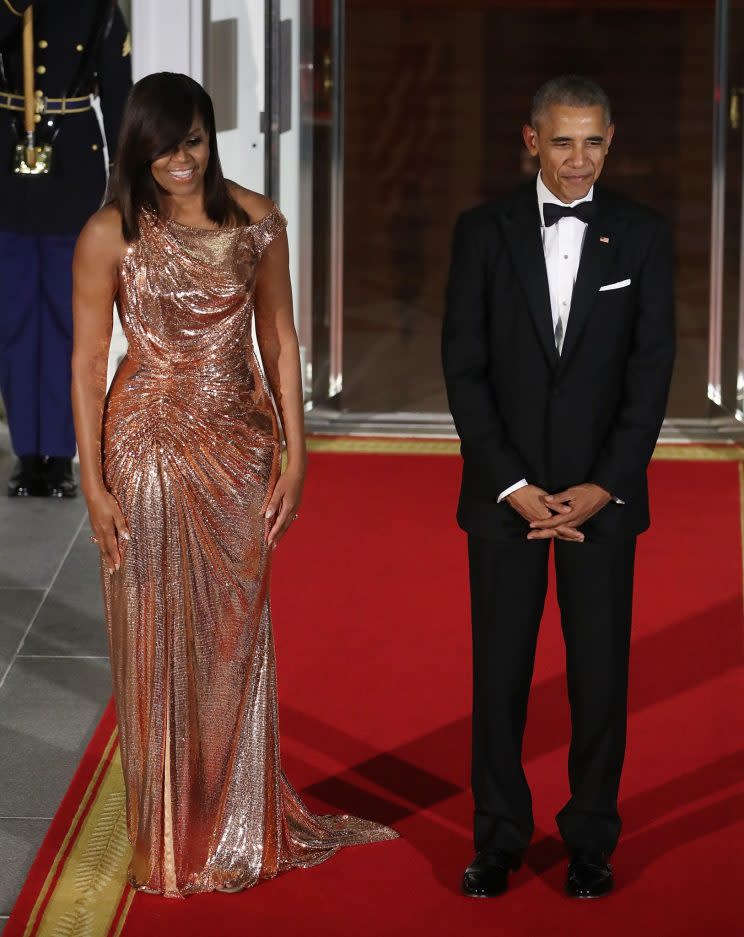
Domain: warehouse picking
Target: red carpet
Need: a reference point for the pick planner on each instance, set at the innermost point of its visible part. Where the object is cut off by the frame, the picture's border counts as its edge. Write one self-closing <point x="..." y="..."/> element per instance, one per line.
<point x="370" y="612"/>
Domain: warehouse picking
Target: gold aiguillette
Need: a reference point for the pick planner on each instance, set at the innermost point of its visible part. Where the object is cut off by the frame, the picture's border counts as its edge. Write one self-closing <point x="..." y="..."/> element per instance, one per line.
<point x="30" y="159"/>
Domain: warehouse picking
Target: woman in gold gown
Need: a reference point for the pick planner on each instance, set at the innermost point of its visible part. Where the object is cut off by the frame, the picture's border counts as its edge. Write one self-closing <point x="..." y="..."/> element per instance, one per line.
<point x="180" y="467"/>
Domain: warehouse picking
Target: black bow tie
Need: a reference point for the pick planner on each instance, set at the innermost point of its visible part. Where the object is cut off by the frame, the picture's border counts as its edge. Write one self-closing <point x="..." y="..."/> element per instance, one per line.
<point x="584" y="211"/>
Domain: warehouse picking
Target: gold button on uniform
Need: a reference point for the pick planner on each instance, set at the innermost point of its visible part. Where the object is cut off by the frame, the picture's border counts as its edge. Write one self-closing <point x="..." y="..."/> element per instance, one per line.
<point x="41" y="69"/>
<point x="39" y="94"/>
<point x="79" y="47"/>
<point x="43" y="43"/>
<point x="94" y="146"/>
<point x="37" y="118"/>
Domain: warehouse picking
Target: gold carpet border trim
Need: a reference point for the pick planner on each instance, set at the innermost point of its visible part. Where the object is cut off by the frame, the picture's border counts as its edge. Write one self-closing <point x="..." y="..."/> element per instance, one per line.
<point x="674" y="452"/>
<point x="82" y="806"/>
<point x="89" y="890"/>
<point x="377" y="445"/>
<point x="381" y="446"/>
<point x="124" y="913"/>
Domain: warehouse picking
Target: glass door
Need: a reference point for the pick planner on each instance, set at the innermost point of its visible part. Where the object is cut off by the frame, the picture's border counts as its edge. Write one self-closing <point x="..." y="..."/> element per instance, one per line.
<point x="423" y="107"/>
<point x="233" y="67"/>
<point x="302" y="170"/>
<point x="435" y="98"/>
<point x="308" y="176"/>
<point x="267" y="67"/>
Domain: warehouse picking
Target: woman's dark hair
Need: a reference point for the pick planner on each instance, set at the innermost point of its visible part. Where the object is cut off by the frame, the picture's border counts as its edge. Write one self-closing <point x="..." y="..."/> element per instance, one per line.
<point x="159" y="113"/>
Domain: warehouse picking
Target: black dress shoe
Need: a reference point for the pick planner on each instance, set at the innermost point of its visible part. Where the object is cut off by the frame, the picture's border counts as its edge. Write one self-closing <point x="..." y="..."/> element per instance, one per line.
<point x="589" y="875"/>
<point x="59" y="478"/>
<point x="26" y="480"/>
<point x="488" y="874"/>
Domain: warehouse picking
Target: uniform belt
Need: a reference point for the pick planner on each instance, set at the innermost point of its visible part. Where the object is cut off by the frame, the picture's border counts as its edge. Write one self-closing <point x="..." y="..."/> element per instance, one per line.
<point x="14" y="102"/>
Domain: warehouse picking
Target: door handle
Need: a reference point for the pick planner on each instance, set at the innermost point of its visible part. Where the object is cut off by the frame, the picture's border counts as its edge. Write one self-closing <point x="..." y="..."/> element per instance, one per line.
<point x="735" y="108"/>
<point x="285" y="76"/>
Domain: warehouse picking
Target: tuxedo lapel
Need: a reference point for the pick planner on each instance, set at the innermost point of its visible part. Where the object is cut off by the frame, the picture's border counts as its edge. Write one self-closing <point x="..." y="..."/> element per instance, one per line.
<point x="600" y="243"/>
<point x="521" y="226"/>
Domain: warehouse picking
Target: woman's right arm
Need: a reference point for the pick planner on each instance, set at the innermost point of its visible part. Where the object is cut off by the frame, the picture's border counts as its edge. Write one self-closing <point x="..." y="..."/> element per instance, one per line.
<point x="94" y="285"/>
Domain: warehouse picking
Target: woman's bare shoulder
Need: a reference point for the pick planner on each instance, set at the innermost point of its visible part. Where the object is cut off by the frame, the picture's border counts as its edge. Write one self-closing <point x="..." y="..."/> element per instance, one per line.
<point x="255" y="205"/>
<point x="106" y="221"/>
<point x="101" y="246"/>
<point x="104" y="226"/>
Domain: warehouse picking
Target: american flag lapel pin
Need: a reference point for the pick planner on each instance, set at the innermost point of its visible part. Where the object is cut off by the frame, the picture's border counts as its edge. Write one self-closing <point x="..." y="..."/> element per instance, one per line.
<point x="604" y="240"/>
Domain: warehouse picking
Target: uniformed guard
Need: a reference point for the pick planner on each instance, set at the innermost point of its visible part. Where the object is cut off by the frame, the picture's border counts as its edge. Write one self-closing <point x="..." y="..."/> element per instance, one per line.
<point x="55" y="55"/>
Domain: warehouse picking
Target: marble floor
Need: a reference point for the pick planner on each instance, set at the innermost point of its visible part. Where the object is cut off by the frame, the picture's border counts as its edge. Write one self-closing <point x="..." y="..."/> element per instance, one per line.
<point x="54" y="670"/>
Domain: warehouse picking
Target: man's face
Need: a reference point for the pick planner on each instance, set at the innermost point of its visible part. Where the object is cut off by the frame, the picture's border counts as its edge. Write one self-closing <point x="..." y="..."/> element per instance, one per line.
<point x="572" y="143"/>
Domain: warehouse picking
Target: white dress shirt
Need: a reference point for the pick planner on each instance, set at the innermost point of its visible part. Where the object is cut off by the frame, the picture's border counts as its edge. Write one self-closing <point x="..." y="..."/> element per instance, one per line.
<point x="562" y="243"/>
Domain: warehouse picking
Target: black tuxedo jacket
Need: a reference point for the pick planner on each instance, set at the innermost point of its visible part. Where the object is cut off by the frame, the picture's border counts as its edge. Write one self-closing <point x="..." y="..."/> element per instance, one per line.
<point x="592" y="414"/>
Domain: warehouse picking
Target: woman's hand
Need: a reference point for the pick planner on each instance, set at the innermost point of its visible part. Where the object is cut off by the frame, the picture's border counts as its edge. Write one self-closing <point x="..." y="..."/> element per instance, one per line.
<point x="282" y="509"/>
<point x="109" y="526"/>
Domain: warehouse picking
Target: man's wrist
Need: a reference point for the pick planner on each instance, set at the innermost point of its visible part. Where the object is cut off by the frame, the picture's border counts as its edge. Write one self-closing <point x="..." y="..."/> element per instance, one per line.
<point x="610" y="495"/>
<point x="522" y="483"/>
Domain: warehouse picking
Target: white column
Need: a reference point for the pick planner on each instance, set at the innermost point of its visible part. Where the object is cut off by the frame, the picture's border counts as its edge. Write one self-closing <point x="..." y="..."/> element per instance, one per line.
<point x="167" y="37"/>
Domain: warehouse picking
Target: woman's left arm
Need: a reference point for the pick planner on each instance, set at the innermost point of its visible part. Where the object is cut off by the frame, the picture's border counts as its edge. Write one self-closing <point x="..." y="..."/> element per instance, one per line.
<point x="280" y="353"/>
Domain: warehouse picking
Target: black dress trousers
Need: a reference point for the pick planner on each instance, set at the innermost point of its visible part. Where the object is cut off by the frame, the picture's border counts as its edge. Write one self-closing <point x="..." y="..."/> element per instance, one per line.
<point x="508" y="582"/>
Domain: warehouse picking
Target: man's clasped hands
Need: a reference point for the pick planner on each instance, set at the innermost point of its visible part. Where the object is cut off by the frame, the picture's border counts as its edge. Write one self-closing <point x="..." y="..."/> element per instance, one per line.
<point x="558" y="516"/>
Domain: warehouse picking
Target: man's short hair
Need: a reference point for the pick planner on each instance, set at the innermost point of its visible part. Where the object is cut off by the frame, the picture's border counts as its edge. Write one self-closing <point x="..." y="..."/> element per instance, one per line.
<point x="571" y="91"/>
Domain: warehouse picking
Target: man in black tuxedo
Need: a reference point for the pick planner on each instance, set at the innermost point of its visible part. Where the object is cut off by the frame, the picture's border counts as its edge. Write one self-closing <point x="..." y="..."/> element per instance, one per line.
<point x="558" y="346"/>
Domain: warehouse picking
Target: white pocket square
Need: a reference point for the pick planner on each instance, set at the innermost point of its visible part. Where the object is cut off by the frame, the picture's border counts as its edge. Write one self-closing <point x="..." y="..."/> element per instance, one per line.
<point x="615" y="286"/>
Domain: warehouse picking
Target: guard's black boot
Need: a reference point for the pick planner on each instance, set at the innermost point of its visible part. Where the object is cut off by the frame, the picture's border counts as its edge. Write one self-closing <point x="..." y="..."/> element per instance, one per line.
<point x="60" y="480"/>
<point x="26" y="480"/>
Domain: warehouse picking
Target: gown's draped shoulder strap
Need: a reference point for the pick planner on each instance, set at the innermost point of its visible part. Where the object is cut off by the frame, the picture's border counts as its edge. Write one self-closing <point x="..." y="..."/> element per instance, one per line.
<point x="267" y="229"/>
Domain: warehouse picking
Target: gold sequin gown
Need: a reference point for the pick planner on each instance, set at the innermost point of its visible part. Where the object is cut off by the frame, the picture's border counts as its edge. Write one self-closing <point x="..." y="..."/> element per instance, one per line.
<point x="191" y="452"/>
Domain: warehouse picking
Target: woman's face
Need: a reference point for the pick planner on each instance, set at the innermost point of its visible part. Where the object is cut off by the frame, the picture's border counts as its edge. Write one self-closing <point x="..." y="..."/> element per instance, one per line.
<point x="181" y="172"/>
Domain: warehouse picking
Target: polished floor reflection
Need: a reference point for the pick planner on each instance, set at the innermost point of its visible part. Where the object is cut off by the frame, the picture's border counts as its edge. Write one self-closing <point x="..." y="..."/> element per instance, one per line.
<point x="54" y="671"/>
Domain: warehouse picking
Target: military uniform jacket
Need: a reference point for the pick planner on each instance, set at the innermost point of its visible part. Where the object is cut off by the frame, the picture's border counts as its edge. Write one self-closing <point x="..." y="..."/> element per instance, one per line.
<point x="62" y="201"/>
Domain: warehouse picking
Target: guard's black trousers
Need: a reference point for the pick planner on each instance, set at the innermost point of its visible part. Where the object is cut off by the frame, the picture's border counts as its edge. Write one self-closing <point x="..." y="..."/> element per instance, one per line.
<point x="508" y="582"/>
<point x="36" y="341"/>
